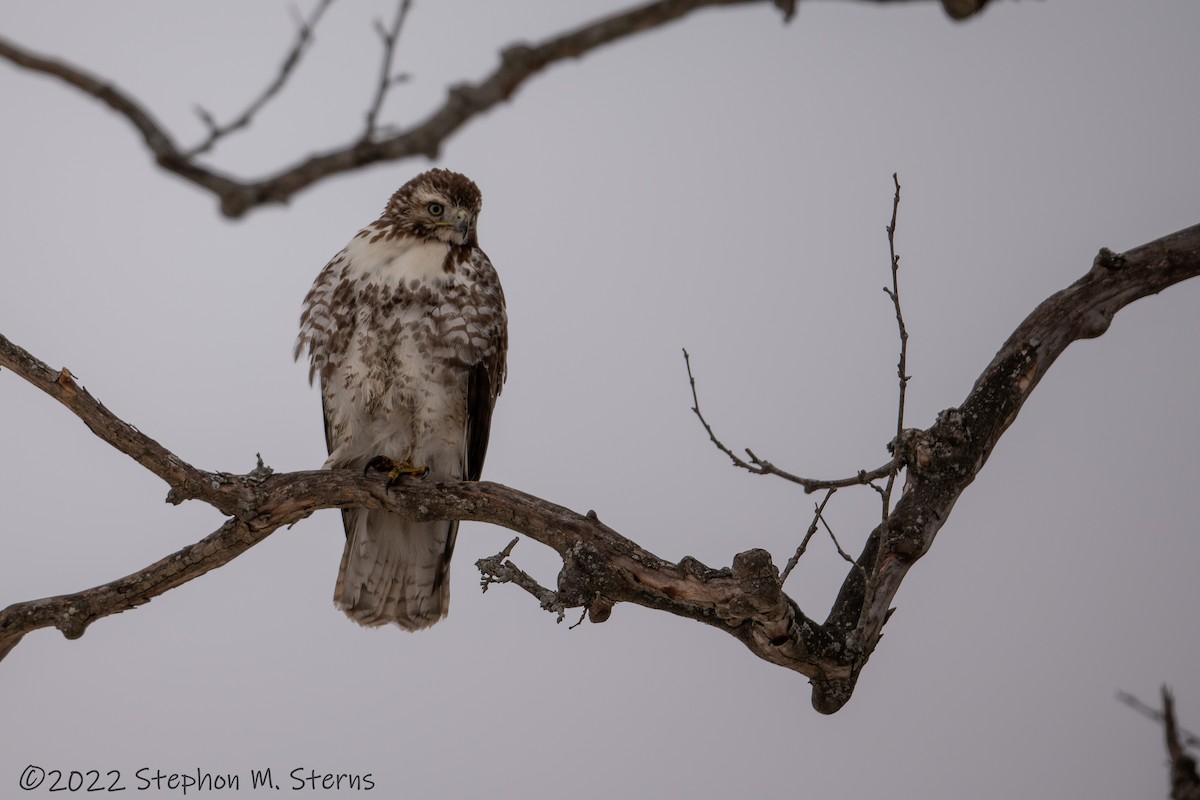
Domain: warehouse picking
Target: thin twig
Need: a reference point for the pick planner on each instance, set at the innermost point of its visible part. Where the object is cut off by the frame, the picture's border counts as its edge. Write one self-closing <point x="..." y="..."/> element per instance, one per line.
<point x="759" y="466"/>
<point x="812" y="529"/>
<point x="845" y="556"/>
<point x="687" y="361"/>
<point x="894" y="294"/>
<point x="304" y="35"/>
<point x="389" y="36"/>
<point x="1188" y="738"/>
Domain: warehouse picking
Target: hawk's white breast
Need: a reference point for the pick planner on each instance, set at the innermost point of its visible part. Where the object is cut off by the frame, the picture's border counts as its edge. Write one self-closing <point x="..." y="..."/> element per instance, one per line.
<point x="394" y="392"/>
<point x="395" y="262"/>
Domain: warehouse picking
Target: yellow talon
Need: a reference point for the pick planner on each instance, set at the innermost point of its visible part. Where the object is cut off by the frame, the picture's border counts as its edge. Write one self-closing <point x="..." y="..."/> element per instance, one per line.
<point x="395" y="469"/>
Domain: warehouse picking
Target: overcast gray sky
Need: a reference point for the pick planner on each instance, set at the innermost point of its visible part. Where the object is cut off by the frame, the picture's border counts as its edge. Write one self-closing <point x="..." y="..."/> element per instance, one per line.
<point x="721" y="184"/>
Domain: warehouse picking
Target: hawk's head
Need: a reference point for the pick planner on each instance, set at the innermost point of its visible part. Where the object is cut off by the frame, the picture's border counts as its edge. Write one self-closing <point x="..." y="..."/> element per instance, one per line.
<point x="438" y="204"/>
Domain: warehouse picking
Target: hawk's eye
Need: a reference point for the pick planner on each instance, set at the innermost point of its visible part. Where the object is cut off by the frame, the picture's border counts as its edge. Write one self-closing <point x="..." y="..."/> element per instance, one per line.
<point x="436" y="209"/>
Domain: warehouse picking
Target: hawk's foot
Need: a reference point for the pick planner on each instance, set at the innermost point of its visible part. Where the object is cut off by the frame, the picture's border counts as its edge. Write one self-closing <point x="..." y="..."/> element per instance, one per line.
<point x="395" y="469"/>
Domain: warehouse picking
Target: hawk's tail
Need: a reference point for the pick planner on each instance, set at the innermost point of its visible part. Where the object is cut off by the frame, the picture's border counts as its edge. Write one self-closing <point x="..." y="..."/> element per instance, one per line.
<point x="395" y="570"/>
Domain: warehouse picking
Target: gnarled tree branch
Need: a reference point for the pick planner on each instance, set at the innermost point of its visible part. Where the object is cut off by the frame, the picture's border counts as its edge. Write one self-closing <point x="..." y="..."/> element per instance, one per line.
<point x="600" y="566"/>
<point x="464" y="102"/>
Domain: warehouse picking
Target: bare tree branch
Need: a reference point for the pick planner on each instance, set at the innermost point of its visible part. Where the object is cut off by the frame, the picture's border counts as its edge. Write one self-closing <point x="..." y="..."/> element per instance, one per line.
<point x="1186" y="737"/>
<point x="1185" y="780"/>
<point x="902" y="365"/>
<point x="944" y="459"/>
<point x="389" y="36"/>
<point x="600" y="566"/>
<point x="464" y="102"/>
<point x="812" y="529"/>
<point x="157" y="140"/>
<point x="216" y="132"/>
<point x="758" y="466"/>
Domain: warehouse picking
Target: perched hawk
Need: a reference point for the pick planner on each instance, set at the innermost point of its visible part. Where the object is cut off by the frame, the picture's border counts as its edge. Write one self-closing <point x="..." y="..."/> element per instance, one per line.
<point x="407" y="331"/>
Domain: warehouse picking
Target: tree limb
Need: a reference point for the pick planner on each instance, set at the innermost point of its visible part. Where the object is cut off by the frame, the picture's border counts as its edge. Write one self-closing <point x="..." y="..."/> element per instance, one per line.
<point x="464" y="102"/>
<point x="600" y="566"/>
<point x="1185" y="780"/>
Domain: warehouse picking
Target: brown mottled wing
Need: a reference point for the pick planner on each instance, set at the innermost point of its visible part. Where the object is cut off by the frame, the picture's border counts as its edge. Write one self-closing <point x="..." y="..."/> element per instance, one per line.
<point x="482" y="388"/>
<point x="486" y="377"/>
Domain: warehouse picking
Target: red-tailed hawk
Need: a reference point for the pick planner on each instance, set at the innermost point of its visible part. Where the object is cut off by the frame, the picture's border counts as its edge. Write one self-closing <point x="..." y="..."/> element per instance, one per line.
<point x="407" y="331"/>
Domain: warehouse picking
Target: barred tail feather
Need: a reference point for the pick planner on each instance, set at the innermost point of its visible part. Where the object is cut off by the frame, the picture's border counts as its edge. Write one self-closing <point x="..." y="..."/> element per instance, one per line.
<point x="395" y="570"/>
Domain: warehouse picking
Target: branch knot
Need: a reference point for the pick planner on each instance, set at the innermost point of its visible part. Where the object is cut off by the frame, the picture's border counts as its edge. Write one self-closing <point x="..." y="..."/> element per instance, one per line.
<point x="1107" y="259"/>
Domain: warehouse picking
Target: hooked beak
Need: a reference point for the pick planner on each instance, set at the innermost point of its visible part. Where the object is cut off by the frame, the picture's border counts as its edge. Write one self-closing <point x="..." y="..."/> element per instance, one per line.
<point x="462" y="222"/>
